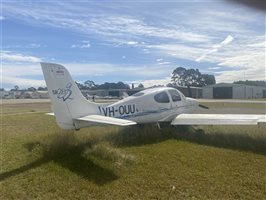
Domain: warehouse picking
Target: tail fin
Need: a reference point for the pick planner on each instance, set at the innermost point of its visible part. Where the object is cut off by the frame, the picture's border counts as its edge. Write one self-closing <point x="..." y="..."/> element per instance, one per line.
<point x="67" y="100"/>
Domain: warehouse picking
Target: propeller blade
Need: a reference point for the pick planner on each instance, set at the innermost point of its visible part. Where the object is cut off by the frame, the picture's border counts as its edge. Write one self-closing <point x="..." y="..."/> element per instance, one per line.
<point x="202" y="106"/>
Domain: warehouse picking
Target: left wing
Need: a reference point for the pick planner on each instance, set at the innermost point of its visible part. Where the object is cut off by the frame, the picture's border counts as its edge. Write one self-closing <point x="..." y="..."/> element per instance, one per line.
<point x="99" y="119"/>
<point x="218" y="119"/>
<point x="102" y="120"/>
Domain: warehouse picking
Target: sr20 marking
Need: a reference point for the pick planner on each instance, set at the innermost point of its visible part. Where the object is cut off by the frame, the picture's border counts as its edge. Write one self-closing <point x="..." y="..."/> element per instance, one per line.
<point x="121" y="110"/>
<point x="64" y="93"/>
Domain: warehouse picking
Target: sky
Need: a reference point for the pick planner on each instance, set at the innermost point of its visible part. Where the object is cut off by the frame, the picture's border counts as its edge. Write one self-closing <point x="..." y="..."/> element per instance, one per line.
<point x="130" y="41"/>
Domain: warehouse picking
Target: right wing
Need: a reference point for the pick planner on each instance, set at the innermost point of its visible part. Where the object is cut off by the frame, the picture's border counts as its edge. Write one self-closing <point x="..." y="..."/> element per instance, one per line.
<point x="218" y="119"/>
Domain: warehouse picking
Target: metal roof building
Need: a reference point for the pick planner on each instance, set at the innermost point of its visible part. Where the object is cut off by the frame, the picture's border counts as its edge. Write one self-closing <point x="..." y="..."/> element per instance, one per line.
<point x="233" y="91"/>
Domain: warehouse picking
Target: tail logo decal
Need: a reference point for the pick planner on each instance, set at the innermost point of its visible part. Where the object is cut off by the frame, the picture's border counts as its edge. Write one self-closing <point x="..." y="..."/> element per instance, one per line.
<point x="64" y="93"/>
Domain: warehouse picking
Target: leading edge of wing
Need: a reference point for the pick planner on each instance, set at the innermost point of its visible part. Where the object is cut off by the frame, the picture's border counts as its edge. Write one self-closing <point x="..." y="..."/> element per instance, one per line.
<point x="218" y="119"/>
<point x="106" y="120"/>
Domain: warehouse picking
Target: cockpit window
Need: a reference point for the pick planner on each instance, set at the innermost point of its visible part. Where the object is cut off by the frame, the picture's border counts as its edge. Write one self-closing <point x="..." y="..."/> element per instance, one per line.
<point x="162" y="97"/>
<point x="138" y="94"/>
<point x="175" y="95"/>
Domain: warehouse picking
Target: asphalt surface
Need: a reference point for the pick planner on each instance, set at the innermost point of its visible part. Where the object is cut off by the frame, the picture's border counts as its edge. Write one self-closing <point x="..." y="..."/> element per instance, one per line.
<point x="231" y="101"/>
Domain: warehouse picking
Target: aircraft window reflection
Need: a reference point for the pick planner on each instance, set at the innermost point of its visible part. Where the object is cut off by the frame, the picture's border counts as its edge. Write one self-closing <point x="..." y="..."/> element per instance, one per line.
<point x="137" y="94"/>
<point x="162" y="97"/>
<point x="175" y="95"/>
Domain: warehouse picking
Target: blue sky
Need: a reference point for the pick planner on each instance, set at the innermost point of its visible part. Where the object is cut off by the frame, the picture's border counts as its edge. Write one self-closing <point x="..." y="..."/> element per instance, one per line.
<point x="131" y="41"/>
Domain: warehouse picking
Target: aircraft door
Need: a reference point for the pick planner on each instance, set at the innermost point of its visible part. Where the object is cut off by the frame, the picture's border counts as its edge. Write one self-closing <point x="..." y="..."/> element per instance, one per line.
<point x="176" y="98"/>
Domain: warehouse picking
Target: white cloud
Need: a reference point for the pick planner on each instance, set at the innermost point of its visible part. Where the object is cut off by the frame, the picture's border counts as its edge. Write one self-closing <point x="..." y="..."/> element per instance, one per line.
<point x="22" y="82"/>
<point x="132" y="43"/>
<point x="214" y="68"/>
<point x="181" y="33"/>
<point x="246" y="53"/>
<point x="16" y="73"/>
<point x="108" y="26"/>
<point x="163" y="63"/>
<point x="152" y="82"/>
<point x="17" y="57"/>
<point x="2" y="18"/>
<point x="216" y="47"/>
<point x="34" y="45"/>
<point x="83" y="44"/>
<point x="179" y="51"/>
<point x="20" y="46"/>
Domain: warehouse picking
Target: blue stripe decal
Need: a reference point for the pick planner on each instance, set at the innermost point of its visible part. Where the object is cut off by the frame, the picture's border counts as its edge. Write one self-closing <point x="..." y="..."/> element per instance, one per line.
<point x="144" y="113"/>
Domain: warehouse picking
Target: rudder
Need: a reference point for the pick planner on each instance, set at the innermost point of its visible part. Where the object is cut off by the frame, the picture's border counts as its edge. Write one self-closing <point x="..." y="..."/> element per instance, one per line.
<point x="66" y="98"/>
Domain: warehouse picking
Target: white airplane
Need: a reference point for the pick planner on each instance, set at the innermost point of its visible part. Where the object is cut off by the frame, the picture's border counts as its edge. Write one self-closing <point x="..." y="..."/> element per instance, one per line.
<point x="73" y="111"/>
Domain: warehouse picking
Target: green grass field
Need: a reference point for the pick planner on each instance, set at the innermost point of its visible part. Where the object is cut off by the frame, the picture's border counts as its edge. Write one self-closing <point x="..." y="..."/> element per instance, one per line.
<point x="41" y="161"/>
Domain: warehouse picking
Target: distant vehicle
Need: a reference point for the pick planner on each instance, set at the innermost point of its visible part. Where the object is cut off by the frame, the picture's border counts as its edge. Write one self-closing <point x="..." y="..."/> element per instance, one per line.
<point x="73" y="111"/>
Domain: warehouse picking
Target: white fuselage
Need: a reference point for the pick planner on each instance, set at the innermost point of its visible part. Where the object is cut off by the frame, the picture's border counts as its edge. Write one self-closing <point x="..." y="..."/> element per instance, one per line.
<point x="143" y="107"/>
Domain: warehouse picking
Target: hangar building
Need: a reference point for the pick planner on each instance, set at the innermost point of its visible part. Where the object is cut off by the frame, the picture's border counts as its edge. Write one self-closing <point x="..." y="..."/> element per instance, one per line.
<point x="233" y="91"/>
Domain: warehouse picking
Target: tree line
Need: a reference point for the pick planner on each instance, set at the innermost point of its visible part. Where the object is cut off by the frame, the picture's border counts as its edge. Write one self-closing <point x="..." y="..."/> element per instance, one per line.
<point x="180" y="77"/>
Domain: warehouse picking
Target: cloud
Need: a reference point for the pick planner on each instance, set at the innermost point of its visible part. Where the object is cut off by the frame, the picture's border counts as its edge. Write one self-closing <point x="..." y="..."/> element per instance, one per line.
<point x="17" y="57"/>
<point x="20" y="46"/>
<point x="34" y="45"/>
<point x="2" y="18"/>
<point x="214" y="68"/>
<point x="13" y="73"/>
<point x="22" y="82"/>
<point x="108" y="26"/>
<point x="216" y="47"/>
<point x="152" y="82"/>
<point x="183" y="34"/>
<point x="163" y="63"/>
<point x="132" y="43"/>
<point x="245" y="53"/>
<point x="83" y="44"/>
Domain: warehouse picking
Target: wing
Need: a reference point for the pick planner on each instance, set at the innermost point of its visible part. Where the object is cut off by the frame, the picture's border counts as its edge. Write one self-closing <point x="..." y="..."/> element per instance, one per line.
<point x="218" y="119"/>
<point x="99" y="119"/>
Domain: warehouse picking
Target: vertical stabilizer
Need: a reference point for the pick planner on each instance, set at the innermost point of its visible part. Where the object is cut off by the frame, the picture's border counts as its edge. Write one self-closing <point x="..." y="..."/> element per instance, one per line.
<point x="66" y="98"/>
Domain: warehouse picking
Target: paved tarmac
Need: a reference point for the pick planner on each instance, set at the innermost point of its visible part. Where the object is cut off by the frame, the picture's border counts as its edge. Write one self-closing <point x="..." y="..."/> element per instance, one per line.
<point x="231" y="101"/>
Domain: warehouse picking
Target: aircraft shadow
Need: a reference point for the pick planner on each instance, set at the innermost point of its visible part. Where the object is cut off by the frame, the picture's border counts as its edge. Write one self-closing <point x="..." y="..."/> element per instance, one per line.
<point x="149" y="134"/>
<point x="69" y="157"/>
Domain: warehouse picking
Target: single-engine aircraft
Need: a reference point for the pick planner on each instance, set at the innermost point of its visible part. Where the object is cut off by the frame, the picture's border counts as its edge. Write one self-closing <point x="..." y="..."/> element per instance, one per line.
<point x="73" y="111"/>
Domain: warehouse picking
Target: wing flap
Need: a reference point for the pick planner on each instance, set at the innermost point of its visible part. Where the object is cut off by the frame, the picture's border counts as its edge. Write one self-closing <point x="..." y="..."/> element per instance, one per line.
<point x="106" y="120"/>
<point x="218" y="119"/>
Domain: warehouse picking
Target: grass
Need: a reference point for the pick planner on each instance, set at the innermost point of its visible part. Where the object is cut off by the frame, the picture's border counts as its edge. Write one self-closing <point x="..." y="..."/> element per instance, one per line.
<point x="41" y="161"/>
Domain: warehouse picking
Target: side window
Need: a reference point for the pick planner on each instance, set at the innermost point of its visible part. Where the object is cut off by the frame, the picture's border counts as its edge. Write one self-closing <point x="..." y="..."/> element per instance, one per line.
<point x="162" y="97"/>
<point x="175" y="95"/>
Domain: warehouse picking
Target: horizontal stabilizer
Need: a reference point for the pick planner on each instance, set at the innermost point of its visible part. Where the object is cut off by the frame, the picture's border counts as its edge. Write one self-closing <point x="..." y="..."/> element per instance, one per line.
<point x="218" y="119"/>
<point x="106" y="120"/>
<point x="52" y="114"/>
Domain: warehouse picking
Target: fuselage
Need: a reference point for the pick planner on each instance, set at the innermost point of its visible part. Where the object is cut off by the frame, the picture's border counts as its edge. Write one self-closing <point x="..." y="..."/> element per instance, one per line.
<point x="150" y="105"/>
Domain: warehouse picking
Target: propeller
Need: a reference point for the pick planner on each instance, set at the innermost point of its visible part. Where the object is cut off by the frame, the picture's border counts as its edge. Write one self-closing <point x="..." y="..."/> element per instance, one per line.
<point x="202" y="106"/>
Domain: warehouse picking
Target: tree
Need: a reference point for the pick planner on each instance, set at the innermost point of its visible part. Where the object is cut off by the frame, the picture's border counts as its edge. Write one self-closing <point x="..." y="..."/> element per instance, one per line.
<point x="80" y="85"/>
<point x="42" y="88"/>
<point x="89" y="84"/>
<point x="140" y="85"/>
<point x="171" y="85"/>
<point x="191" y="78"/>
<point x="252" y="83"/>
<point x="209" y="79"/>
<point x="16" y="87"/>
<point x="32" y="89"/>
